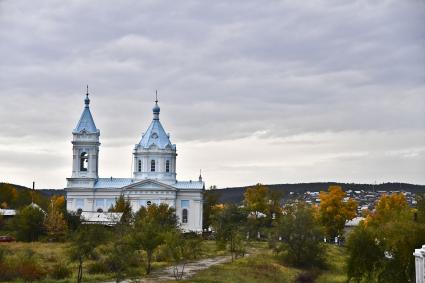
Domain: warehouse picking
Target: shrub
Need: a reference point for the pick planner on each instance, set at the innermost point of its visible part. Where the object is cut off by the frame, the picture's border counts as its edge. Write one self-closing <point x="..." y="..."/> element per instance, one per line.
<point x="99" y="266"/>
<point x="24" y="265"/>
<point x="60" y="270"/>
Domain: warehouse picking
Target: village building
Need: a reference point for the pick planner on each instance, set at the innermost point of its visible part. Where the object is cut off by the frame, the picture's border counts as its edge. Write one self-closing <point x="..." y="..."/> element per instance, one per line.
<point x="153" y="180"/>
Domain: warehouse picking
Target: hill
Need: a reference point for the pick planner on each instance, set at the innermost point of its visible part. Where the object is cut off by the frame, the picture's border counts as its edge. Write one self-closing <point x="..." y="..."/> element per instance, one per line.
<point x="16" y="196"/>
<point x="235" y="194"/>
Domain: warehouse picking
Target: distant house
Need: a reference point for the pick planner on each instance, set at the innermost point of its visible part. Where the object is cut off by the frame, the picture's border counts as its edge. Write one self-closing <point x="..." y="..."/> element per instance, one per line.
<point x="7" y="213"/>
<point x="354" y="222"/>
<point x="103" y="218"/>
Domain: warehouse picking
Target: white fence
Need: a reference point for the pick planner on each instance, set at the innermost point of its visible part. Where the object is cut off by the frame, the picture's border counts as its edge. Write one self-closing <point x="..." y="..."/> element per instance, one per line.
<point x="420" y="264"/>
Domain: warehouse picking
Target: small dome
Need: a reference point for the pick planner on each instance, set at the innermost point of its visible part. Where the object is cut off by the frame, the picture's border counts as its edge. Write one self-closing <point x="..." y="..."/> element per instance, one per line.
<point x="156" y="109"/>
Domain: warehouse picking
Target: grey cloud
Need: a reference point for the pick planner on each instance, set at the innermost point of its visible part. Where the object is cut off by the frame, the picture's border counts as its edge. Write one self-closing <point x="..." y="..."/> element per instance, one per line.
<point x="224" y="70"/>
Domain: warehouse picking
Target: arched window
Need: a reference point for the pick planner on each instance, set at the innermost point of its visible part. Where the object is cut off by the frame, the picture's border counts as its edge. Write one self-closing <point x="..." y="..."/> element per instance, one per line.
<point x="152" y="165"/>
<point x="184" y="215"/>
<point x="99" y="210"/>
<point x="167" y="166"/>
<point x="148" y="203"/>
<point x="140" y="166"/>
<point x="84" y="161"/>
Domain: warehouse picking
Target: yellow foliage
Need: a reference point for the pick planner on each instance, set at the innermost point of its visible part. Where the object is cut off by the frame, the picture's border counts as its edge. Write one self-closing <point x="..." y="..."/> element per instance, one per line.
<point x="334" y="211"/>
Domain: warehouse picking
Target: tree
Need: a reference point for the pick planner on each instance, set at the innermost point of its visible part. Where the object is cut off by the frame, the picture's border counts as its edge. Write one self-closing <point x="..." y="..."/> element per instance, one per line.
<point x="181" y="248"/>
<point x="151" y="224"/>
<point x="83" y="244"/>
<point x="210" y="200"/>
<point x="301" y="236"/>
<point x="273" y="207"/>
<point x="123" y="205"/>
<point x="365" y="254"/>
<point x="420" y="206"/>
<point x="54" y="222"/>
<point x="385" y="242"/>
<point x="334" y="211"/>
<point x="29" y="223"/>
<point x="255" y="199"/>
<point x="120" y="250"/>
<point x="228" y="224"/>
<point x="8" y="195"/>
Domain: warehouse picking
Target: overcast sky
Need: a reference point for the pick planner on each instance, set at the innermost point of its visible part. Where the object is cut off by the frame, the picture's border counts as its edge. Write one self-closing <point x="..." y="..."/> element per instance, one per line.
<point x="250" y="91"/>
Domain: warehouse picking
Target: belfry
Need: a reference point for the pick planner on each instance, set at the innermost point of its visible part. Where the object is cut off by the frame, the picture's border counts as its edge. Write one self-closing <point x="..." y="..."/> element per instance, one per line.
<point x="153" y="180"/>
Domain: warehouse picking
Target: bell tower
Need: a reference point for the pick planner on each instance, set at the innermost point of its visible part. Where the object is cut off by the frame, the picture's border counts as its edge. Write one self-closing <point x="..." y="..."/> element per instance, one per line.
<point x="155" y="156"/>
<point x="85" y="149"/>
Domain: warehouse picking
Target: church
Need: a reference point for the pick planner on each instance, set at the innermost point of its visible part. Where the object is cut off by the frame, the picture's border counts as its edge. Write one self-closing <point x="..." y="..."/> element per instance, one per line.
<point x="153" y="179"/>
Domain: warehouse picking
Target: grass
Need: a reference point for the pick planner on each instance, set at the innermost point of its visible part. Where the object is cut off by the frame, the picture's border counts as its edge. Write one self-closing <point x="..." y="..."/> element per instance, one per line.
<point x="261" y="266"/>
<point x="336" y="260"/>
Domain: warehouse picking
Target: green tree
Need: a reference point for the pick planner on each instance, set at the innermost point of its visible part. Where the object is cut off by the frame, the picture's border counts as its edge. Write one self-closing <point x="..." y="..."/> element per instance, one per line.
<point x="120" y="250"/>
<point x="28" y="223"/>
<point x="334" y="211"/>
<point x="181" y="248"/>
<point x="420" y="207"/>
<point x="366" y="255"/>
<point x="151" y="224"/>
<point x="229" y="223"/>
<point x="301" y="236"/>
<point x="83" y="244"/>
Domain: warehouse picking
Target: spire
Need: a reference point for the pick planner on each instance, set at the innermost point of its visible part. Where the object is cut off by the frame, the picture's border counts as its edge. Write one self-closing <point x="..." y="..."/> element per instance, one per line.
<point x="86" y="121"/>
<point x="156" y="108"/>
<point x="87" y="100"/>
<point x="200" y="175"/>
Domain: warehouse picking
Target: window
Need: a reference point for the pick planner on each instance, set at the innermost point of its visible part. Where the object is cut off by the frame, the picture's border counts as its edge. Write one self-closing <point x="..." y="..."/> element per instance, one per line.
<point x="79" y="203"/>
<point x="100" y="203"/>
<point x="152" y="165"/>
<point x="100" y="210"/>
<point x="79" y="211"/>
<point x="140" y="166"/>
<point x="185" y="203"/>
<point x="110" y="202"/>
<point x="167" y="166"/>
<point x="148" y="203"/>
<point x="184" y="215"/>
<point x="84" y="161"/>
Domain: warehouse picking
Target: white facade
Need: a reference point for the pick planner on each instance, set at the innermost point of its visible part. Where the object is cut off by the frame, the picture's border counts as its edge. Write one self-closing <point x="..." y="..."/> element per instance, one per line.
<point x="153" y="181"/>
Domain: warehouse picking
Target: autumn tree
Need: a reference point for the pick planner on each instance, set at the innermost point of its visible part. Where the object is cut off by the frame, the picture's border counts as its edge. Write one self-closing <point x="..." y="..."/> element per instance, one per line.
<point x="384" y="242"/>
<point x="151" y="224"/>
<point x="255" y="199"/>
<point x="123" y="205"/>
<point x="54" y="222"/>
<point x="333" y="211"/>
<point x="8" y="195"/>
<point x="301" y="236"/>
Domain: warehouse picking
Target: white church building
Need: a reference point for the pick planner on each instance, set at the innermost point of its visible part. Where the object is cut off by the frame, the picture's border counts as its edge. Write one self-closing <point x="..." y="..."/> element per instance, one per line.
<point x="153" y="180"/>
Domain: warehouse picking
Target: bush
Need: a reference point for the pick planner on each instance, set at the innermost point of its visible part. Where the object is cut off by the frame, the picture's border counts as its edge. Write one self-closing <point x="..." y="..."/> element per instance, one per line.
<point x="23" y="265"/>
<point x="60" y="270"/>
<point x="99" y="266"/>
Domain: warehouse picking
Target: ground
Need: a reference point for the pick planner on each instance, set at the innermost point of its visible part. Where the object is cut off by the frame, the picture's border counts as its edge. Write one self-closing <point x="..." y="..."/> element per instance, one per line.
<point x="260" y="265"/>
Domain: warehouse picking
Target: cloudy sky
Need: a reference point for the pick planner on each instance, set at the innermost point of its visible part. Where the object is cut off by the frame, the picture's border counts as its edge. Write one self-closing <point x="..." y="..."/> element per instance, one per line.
<point x="251" y="91"/>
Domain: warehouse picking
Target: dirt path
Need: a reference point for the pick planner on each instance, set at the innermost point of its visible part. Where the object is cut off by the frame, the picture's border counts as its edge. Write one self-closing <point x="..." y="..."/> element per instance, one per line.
<point x="190" y="269"/>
